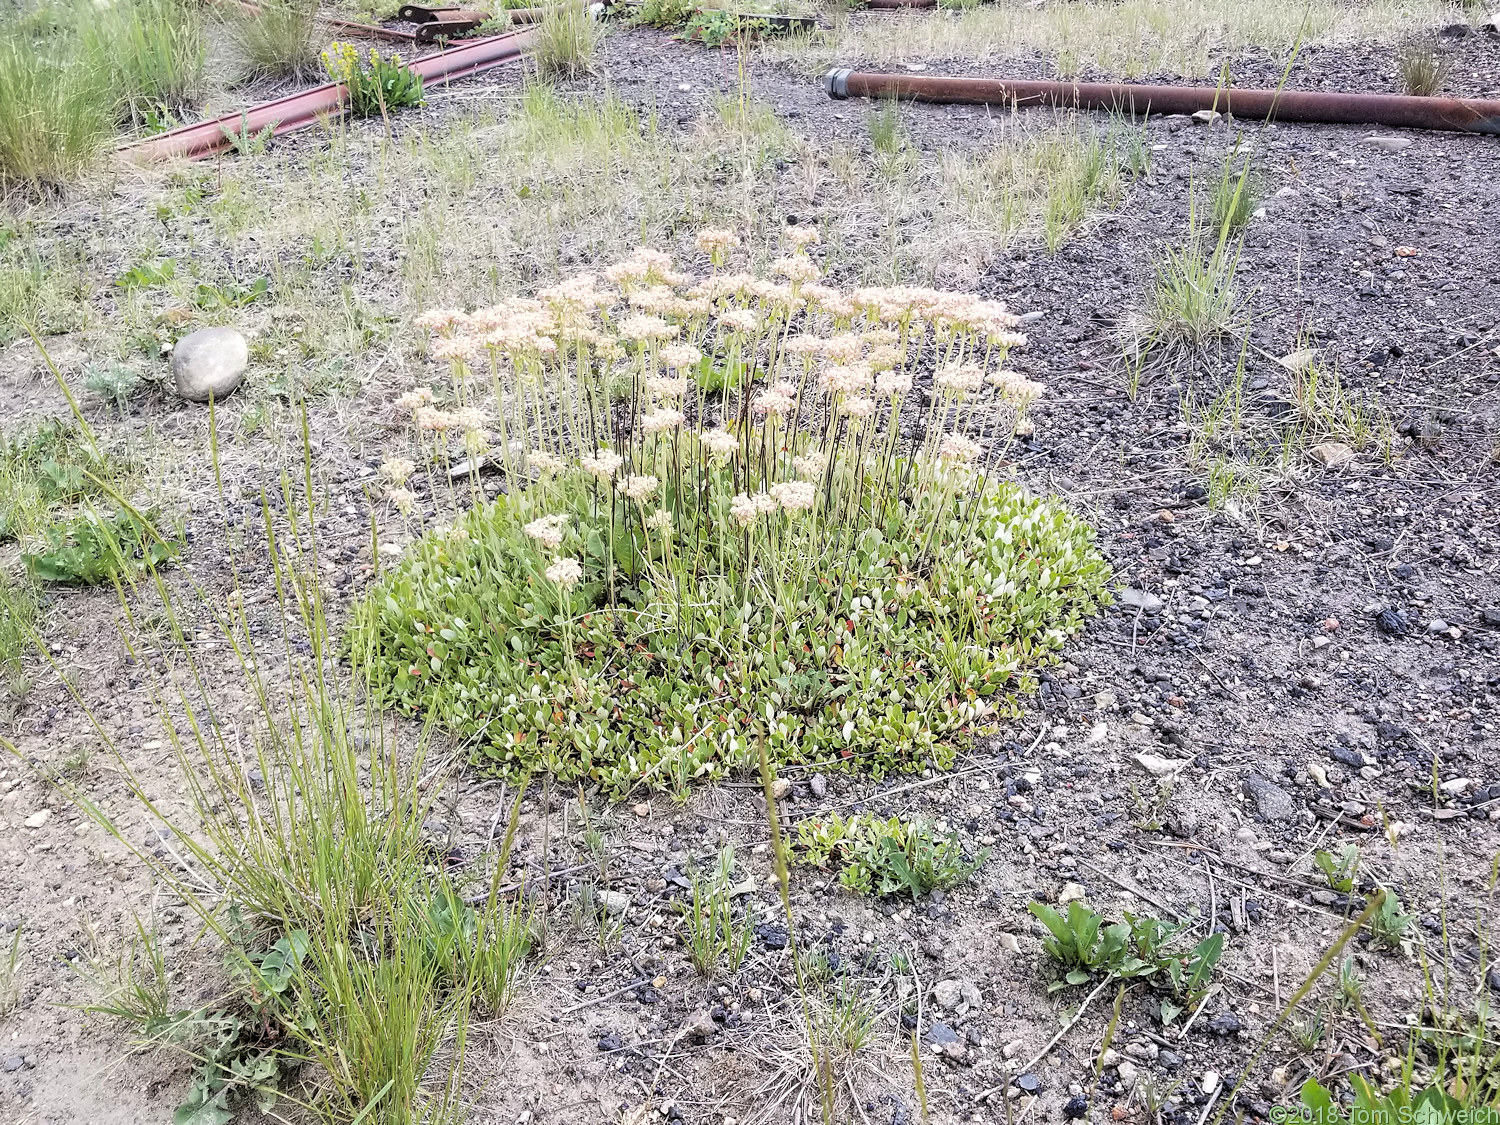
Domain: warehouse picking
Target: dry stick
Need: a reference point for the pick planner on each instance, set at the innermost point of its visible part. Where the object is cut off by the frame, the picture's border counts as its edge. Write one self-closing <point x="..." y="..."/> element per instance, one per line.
<point x="1045" y="1051"/>
<point x="601" y="999"/>
<point x="1198" y="1011"/>
<point x="480" y="896"/>
<point x="1131" y="888"/>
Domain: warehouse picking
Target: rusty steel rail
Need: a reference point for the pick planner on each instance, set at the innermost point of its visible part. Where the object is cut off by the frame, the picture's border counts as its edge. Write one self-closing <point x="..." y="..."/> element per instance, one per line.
<point x="370" y="30"/>
<point x="297" y="111"/>
<point x="1463" y="115"/>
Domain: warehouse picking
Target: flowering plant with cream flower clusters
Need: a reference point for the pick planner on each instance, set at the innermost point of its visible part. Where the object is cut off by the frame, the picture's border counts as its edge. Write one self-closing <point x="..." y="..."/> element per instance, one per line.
<point x="737" y="508"/>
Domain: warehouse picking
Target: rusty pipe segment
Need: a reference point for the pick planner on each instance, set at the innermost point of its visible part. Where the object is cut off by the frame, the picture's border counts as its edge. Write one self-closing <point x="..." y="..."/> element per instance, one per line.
<point x="297" y="111"/>
<point x="1461" y="115"/>
<point x="891" y="5"/>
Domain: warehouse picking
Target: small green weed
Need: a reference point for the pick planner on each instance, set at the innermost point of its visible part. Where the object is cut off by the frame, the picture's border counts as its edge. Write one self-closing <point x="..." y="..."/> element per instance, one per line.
<point x="148" y="274"/>
<point x="714" y="27"/>
<point x="1340" y="870"/>
<point x="664" y="13"/>
<point x="213" y="297"/>
<point x="1391" y="925"/>
<point x="114" y="382"/>
<point x="94" y="547"/>
<point x="244" y="142"/>
<point x="886" y="856"/>
<point x="1135" y="949"/>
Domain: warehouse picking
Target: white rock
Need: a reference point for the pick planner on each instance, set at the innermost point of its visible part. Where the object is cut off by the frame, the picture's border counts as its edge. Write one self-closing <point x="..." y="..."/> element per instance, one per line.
<point x="1142" y="600"/>
<point x="1158" y="766"/>
<point x="1209" y="1081"/>
<point x="1331" y="454"/>
<point x="208" y="362"/>
<point x="948" y="994"/>
<point x="1128" y="1073"/>
<point x="614" y="902"/>
<point x="1071" y="892"/>
<point x="38" y="818"/>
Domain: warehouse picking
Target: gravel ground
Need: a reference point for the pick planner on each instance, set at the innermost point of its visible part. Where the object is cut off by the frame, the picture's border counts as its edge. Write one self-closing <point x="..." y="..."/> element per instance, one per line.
<point x="1313" y="664"/>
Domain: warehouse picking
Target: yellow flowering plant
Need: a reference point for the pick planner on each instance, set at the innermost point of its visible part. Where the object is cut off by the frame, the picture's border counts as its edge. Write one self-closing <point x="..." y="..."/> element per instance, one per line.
<point x="375" y="84"/>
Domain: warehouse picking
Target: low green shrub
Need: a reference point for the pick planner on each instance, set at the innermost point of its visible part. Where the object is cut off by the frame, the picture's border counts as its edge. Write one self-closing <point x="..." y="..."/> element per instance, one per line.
<point x="775" y="565"/>
<point x="886" y="856"/>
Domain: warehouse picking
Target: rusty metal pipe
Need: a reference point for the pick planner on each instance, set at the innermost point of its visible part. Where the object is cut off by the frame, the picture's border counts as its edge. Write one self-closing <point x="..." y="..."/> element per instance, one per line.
<point x="1463" y="115"/>
<point x="298" y="111"/>
<point x="893" y="4"/>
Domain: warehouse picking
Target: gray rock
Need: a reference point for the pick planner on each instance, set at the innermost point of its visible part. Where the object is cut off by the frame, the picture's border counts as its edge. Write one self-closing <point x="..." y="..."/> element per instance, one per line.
<point x="1437" y="625"/>
<point x="1388" y="143"/>
<point x="1207" y="116"/>
<point x="819" y="786"/>
<point x="614" y="902"/>
<point x="209" y="362"/>
<point x="956" y="995"/>
<point x="940" y="1034"/>
<point x="1143" y="600"/>
<point x="700" y="1025"/>
<point x="1490" y="616"/>
<point x="1271" y="800"/>
<point x="13" y="1063"/>
<point x="1226" y="1023"/>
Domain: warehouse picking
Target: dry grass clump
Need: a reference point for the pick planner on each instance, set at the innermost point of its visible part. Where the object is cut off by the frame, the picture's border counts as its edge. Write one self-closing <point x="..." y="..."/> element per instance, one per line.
<point x="1130" y="38"/>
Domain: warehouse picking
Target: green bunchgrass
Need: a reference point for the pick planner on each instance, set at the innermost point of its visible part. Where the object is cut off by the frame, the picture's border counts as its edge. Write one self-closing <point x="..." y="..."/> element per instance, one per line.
<point x="1423" y="69"/>
<point x="18" y="618"/>
<point x="1194" y="297"/>
<point x="714" y="939"/>
<point x="1236" y="194"/>
<point x="55" y="113"/>
<point x="274" y="38"/>
<point x="696" y="606"/>
<point x="566" y="42"/>
<point x="75" y="71"/>
<point x="12" y="961"/>
<point x="1327" y="409"/>
<point x="886" y="131"/>
<point x="353" y="959"/>
<point x="152" y="51"/>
